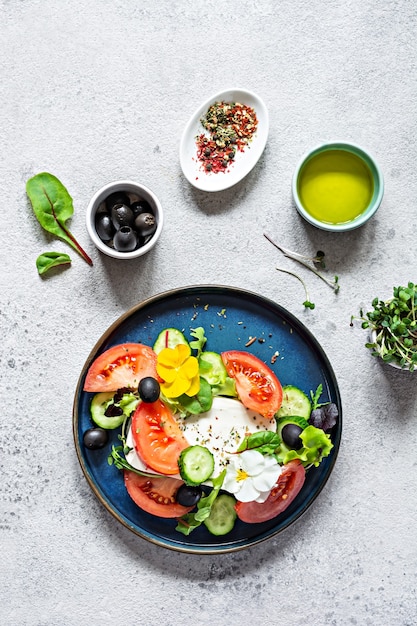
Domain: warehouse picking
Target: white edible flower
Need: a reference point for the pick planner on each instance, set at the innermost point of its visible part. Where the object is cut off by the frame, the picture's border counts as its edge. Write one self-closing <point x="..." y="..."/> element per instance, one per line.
<point x="250" y="476"/>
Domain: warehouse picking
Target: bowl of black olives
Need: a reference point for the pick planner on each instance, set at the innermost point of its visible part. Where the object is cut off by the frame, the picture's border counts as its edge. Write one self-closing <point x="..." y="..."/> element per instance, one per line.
<point x="124" y="219"/>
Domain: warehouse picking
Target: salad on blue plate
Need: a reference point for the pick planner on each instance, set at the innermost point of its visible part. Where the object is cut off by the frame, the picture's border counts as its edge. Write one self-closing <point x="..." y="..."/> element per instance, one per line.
<point x="206" y="438"/>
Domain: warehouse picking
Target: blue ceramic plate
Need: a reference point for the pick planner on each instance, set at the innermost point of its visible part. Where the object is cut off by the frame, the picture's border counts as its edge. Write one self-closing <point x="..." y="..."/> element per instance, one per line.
<point x="230" y="317"/>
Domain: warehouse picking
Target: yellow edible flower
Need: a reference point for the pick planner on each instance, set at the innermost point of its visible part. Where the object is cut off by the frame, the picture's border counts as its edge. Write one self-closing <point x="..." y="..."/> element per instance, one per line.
<point x="179" y="371"/>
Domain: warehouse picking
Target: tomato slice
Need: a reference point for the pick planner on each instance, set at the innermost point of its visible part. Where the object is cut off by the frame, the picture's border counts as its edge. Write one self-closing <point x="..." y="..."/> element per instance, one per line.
<point x="157" y="437"/>
<point x="121" y="366"/>
<point x="155" y="495"/>
<point x="288" y="487"/>
<point x="257" y="386"/>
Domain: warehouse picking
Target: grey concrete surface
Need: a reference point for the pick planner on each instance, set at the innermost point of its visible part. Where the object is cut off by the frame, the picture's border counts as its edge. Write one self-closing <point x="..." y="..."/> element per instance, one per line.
<point x="98" y="91"/>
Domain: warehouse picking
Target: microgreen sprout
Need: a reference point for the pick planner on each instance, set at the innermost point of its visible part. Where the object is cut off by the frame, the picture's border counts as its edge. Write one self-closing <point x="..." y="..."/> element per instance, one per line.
<point x="394" y="323"/>
<point x="307" y="302"/>
<point x="318" y="261"/>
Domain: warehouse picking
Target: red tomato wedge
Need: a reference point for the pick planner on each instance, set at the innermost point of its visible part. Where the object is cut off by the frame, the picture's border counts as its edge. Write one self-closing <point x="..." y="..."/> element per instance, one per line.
<point x="288" y="487"/>
<point x="157" y="437"/>
<point x="257" y="386"/>
<point x="155" y="495"/>
<point x="121" y="366"/>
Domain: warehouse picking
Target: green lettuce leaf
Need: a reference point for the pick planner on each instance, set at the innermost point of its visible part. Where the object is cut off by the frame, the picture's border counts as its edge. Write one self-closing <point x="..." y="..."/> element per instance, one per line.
<point x="316" y="446"/>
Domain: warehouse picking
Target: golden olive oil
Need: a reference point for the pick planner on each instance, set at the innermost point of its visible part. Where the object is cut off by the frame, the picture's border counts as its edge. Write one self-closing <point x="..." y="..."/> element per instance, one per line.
<point x="335" y="186"/>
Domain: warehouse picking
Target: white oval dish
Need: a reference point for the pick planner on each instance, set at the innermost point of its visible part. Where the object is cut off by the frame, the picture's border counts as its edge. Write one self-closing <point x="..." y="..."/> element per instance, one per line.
<point x="244" y="162"/>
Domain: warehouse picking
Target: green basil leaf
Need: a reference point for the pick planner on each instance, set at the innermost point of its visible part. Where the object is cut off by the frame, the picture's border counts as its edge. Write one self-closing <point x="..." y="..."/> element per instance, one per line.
<point x="52" y="206"/>
<point x="264" y="441"/>
<point x="199" y="403"/>
<point x="47" y="260"/>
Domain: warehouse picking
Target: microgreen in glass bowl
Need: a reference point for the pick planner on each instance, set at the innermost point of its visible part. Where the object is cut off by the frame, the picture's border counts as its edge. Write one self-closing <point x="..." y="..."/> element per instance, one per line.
<point x="393" y="328"/>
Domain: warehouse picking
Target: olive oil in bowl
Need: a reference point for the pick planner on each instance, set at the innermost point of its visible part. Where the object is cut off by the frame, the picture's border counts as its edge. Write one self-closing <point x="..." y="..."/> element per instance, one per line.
<point x="337" y="187"/>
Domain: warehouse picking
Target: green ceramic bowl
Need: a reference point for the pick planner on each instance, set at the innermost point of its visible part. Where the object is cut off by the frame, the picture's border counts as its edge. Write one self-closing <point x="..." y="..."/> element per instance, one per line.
<point x="337" y="186"/>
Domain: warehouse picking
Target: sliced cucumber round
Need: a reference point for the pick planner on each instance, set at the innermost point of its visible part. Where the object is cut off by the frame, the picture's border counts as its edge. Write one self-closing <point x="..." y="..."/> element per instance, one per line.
<point x="294" y="402"/>
<point x="196" y="464"/>
<point x="99" y="404"/>
<point x="169" y="338"/>
<point x="222" y="515"/>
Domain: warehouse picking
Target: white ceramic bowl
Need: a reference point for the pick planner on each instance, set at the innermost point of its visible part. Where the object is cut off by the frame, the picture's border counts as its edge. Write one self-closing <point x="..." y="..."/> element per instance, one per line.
<point x="135" y="191"/>
<point x="244" y="161"/>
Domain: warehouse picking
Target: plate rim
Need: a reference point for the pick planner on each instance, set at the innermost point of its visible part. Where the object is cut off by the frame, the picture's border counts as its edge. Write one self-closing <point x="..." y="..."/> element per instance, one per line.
<point x="117" y="514"/>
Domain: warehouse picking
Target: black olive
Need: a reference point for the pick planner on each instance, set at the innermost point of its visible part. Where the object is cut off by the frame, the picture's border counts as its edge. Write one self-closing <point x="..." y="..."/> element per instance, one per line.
<point x="291" y="436"/>
<point x="122" y="215"/>
<point x="140" y="206"/>
<point x="188" y="496"/>
<point x="117" y="197"/>
<point x="113" y="411"/>
<point x="125" y="239"/>
<point x="95" y="438"/>
<point x="104" y="226"/>
<point x="149" y="389"/>
<point x="145" y="224"/>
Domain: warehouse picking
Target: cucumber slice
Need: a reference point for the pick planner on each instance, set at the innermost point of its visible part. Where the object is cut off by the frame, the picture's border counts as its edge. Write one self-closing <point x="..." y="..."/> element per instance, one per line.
<point x="99" y="404"/>
<point x="212" y="368"/>
<point x="101" y="401"/>
<point x="294" y="402"/>
<point x="169" y="338"/>
<point x="196" y="465"/>
<point x="222" y="515"/>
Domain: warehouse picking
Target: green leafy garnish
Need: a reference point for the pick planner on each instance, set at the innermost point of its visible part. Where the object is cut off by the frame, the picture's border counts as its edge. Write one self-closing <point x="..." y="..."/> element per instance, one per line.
<point x="48" y="260"/>
<point x="395" y="324"/>
<point x="315" y="397"/>
<point x="128" y="403"/>
<point x="119" y="461"/>
<point x="200" y="339"/>
<point x="199" y="403"/>
<point x="53" y="207"/>
<point x="190" y="521"/>
<point x="317" y="260"/>
<point x="307" y="302"/>
<point x="264" y="441"/>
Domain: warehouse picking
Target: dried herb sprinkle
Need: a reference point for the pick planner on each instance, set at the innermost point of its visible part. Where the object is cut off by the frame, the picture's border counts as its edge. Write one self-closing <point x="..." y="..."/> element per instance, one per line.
<point x="231" y="127"/>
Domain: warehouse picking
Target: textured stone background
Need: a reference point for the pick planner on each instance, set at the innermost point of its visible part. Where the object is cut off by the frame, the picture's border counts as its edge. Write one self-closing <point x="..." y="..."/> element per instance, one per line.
<point x="98" y="91"/>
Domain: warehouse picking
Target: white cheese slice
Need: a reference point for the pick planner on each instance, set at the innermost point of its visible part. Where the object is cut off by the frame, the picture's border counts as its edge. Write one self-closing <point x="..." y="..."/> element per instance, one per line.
<point x="221" y="430"/>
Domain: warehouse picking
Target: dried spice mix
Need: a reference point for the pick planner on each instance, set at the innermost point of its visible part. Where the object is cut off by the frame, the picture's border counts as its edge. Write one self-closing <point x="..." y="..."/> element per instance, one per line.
<point x="231" y="126"/>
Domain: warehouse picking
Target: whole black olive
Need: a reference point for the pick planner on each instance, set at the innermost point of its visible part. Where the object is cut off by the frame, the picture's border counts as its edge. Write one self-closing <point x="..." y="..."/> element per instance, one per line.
<point x="188" y="496"/>
<point x="95" y="438"/>
<point x="117" y="197"/>
<point x="125" y="239"/>
<point x="149" y="389"/>
<point x="104" y="226"/>
<point x="145" y="224"/>
<point x="291" y="436"/>
<point x="140" y="206"/>
<point x="122" y="215"/>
